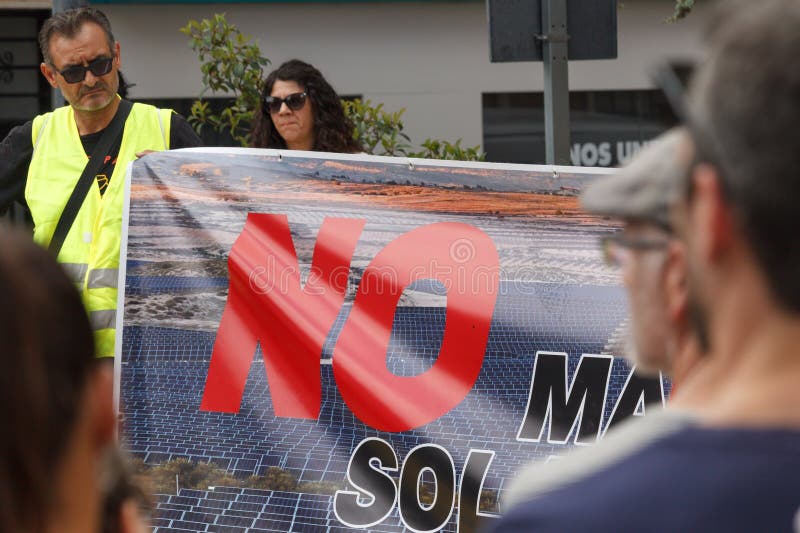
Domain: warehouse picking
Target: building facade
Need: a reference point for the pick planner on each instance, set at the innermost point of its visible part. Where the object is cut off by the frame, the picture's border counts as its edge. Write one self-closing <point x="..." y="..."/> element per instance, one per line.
<point x="429" y="57"/>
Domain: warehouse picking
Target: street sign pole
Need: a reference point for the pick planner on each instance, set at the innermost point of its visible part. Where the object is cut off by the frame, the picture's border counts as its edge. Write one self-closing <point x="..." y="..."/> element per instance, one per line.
<point x="556" y="81"/>
<point x="64" y="5"/>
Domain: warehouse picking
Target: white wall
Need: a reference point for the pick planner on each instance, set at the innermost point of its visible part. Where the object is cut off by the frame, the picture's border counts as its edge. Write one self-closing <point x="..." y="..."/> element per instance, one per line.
<point x="431" y="58"/>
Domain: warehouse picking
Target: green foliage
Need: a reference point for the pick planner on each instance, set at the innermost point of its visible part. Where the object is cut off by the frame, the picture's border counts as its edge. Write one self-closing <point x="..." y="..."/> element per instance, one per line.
<point x="381" y="132"/>
<point x="488" y="501"/>
<point x="376" y="128"/>
<point x="275" y="479"/>
<point x="319" y="487"/>
<point x="433" y="149"/>
<point x="161" y="479"/>
<point x="230" y="64"/>
<point x="190" y="475"/>
<point x="682" y="8"/>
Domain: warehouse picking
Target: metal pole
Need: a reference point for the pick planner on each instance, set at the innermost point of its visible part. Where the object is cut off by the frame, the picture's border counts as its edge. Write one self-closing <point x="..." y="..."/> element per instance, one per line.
<point x="63" y="5"/>
<point x="556" y="81"/>
<point x="57" y="98"/>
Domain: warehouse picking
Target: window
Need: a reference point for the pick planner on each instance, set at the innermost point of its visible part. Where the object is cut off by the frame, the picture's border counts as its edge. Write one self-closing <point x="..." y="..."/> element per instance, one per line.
<point x="606" y="127"/>
<point x="24" y="93"/>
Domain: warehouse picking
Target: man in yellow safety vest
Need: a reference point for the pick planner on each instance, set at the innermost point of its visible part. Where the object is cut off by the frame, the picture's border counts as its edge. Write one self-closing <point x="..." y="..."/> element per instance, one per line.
<point x="69" y="165"/>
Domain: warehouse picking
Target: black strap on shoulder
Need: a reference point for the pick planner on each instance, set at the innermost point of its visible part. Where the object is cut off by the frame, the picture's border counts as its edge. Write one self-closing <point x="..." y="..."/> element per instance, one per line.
<point x="110" y="134"/>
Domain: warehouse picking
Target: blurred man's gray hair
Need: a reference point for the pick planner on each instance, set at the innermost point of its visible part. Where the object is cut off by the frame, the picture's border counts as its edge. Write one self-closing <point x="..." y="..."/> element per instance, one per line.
<point x="746" y="100"/>
<point x="646" y="188"/>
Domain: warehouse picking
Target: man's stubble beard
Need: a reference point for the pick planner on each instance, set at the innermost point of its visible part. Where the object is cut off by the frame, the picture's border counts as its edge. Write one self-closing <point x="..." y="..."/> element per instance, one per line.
<point x="98" y="107"/>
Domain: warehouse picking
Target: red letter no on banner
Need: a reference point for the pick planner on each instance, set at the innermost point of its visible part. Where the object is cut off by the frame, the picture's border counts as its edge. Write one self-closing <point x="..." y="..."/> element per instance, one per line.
<point x="464" y="259"/>
<point x="266" y="304"/>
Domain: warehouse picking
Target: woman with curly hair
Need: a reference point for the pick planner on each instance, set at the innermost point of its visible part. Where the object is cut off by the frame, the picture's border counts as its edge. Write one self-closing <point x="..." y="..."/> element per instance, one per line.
<point x="300" y="111"/>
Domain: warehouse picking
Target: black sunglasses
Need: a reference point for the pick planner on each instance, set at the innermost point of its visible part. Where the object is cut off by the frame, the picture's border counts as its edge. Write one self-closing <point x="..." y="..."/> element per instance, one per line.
<point x="615" y="247"/>
<point x="295" y="102"/>
<point x="98" y="67"/>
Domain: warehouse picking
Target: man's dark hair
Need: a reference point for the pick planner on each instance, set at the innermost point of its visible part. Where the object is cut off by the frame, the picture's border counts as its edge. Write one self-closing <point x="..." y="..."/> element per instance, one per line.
<point x="46" y="355"/>
<point x="333" y="132"/>
<point x="747" y="96"/>
<point x="69" y="23"/>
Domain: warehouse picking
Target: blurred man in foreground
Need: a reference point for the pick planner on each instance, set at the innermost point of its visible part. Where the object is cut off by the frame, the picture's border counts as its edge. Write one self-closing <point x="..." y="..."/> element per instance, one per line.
<point x="734" y="467"/>
<point x="739" y="219"/>
<point x="652" y="261"/>
<point x="653" y="266"/>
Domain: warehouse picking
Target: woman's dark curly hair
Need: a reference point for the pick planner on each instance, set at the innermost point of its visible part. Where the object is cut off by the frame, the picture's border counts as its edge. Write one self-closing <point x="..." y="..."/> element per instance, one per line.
<point x="333" y="131"/>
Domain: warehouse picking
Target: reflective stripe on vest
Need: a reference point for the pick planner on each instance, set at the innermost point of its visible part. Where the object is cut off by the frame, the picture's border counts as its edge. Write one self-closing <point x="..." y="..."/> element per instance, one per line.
<point x="90" y="254"/>
<point x="102" y="278"/>
<point x="76" y="272"/>
<point x="104" y="319"/>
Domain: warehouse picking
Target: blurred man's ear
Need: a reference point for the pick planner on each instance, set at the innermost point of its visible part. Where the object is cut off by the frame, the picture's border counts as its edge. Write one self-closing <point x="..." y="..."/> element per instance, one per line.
<point x="676" y="292"/>
<point x="711" y="218"/>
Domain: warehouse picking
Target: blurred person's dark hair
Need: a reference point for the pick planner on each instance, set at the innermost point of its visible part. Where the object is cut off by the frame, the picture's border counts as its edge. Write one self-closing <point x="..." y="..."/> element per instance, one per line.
<point x="47" y="355"/>
<point x="120" y="489"/>
<point x="69" y="23"/>
<point x="746" y="101"/>
<point x="333" y="130"/>
<point x="124" y="85"/>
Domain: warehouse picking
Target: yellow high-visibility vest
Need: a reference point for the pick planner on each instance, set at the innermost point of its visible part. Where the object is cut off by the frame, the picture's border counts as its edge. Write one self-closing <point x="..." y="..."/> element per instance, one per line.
<point x="90" y="254"/>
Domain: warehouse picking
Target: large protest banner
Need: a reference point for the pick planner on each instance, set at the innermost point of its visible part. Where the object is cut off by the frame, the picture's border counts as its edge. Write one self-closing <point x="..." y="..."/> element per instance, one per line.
<point x="315" y="342"/>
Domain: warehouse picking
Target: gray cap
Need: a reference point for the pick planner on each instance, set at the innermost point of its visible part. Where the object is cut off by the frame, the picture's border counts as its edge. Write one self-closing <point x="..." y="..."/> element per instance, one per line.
<point x="645" y="188"/>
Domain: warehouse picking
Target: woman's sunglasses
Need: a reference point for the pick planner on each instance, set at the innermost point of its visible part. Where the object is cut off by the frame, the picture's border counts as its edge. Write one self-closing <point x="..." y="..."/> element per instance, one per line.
<point x="295" y="102"/>
<point x="98" y="67"/>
